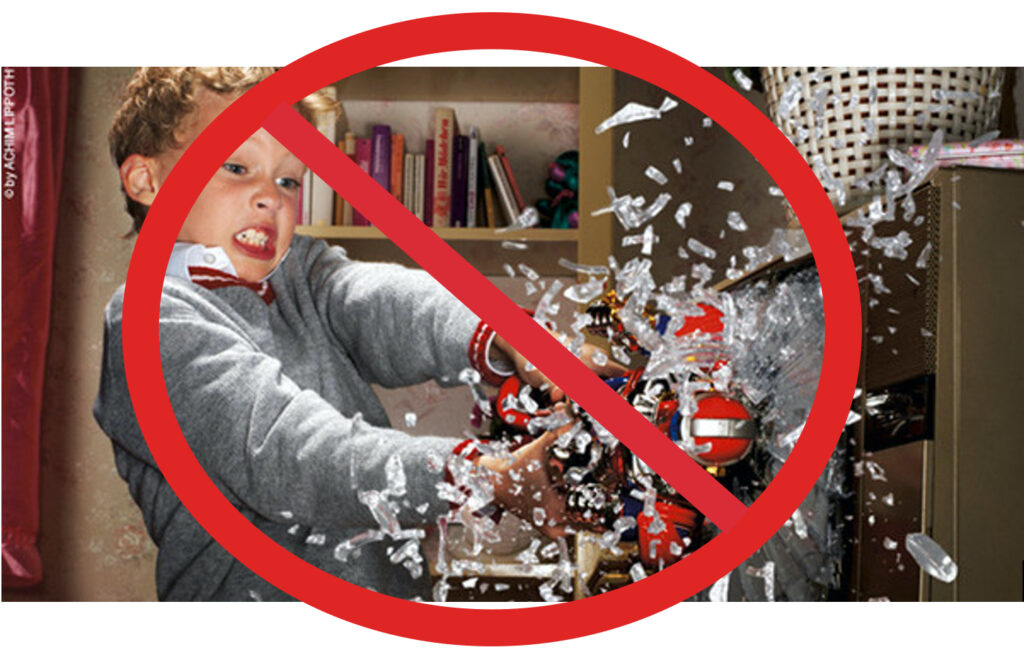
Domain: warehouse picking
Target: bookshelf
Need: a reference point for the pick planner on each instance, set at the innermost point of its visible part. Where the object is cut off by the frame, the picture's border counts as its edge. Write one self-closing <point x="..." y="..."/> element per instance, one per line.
<point x="536" y="113"/>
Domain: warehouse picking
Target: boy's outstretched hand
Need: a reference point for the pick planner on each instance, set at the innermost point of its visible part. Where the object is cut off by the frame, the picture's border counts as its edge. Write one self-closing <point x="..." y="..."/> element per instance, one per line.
<point x="605" y="368"/>
<point x="519" y="479"/>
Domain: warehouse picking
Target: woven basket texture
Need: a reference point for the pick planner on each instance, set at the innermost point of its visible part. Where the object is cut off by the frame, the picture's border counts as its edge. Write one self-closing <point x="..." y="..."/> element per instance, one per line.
<point x="843" y="120"/>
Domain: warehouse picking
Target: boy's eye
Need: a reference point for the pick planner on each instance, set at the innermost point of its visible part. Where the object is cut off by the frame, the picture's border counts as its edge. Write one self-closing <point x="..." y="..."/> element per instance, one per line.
<point x="289" y="183"/>
<point x="234" y="168"/>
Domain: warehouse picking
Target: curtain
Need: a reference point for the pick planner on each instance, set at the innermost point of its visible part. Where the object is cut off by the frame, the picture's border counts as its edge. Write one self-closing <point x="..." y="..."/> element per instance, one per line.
<point x="34" y="119"/>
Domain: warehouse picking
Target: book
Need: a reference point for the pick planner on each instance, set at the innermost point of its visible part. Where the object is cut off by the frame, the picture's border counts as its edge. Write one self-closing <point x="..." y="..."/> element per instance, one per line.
<point x="472" y="178"/>
<point x="419" y="180"/>
<point x="460" y="177"/>
<point x="322" y="195"/>
<point x="307" y="198"/>
<point x="504" y="190"/>
<point x="488" y="205"/>
<point x="363" y="159"/>
<point x="510" y="178"/>
<point x="444" y="146"/>
<point x="346" y="206"/>
<point x="408" y="185"/>
<point x="397" y="163"/>
<point x="428" y="184"/>
<point x="380" y="163"/>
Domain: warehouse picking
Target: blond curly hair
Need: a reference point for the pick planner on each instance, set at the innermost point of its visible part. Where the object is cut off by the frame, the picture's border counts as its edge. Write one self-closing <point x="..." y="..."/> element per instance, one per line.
<point x="157" y="100"/>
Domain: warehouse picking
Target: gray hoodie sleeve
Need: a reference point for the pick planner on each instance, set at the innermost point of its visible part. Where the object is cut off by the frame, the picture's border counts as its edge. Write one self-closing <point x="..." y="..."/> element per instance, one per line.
<point x="400" y="325"/>
<point x="270" y="445"/>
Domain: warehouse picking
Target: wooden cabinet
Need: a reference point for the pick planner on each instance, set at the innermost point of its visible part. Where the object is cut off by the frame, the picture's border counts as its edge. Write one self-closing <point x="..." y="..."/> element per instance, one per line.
<point x="942" y="384"/>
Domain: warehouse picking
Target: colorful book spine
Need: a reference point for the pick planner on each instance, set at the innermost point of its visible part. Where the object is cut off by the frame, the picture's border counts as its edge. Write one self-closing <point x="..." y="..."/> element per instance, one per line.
<point x="419" y="180"/>
<point x="397" y="162"/>
<point x="380" y="164"/>
<point x="505" y="196"/>
<point x="507" y="168"/>
<point x="444" y="147"/>
<point x="321" y="195"/>
<point x="472" y="178"/>
<point x="307" y="197"/>
<point x="408" y="184"/>
<point x="460" y="178"/>
<point x="428" y="184"/>
<point x="488" y="206"/>
<point x="346" y="206"/>
<point x="364" y="151"/>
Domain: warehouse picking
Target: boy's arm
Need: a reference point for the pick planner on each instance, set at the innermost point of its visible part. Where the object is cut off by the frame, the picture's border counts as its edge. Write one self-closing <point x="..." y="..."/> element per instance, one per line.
<point x="268" y="444"/>
<point x="399" y="325"/>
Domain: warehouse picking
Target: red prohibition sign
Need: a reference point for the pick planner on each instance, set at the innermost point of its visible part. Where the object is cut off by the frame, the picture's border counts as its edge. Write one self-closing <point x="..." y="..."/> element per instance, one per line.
<point x="268" y="105"/>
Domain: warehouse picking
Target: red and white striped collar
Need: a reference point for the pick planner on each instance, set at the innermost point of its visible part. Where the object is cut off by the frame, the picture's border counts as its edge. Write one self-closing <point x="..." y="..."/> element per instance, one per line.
<point x="210" y="267"/>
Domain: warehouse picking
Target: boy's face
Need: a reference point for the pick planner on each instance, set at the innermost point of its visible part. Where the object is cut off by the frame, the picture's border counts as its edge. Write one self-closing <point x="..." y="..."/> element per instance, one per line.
<point x="250" y="205"/>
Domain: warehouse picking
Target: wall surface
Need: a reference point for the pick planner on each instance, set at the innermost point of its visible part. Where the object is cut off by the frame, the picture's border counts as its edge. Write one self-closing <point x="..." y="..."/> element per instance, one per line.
<point x="93" y="543"/>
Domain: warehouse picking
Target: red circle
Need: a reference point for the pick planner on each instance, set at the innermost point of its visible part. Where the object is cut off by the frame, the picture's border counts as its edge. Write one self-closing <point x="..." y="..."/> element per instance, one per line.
<point x="483" y="32"/>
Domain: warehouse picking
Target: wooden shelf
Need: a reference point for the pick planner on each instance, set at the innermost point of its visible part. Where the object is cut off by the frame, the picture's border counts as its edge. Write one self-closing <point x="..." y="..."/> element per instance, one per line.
<point x="534" y="112"/>
<point x="477" y="84"/>
<point x="448" y="234"/>
<point x="480" y="246"/>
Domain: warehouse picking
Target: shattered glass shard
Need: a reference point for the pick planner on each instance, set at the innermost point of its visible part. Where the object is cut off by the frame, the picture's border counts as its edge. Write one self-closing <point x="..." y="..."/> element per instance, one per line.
<point x="583" y="269"/>
<point x="529" y="272"/>
<point x="922" y="259"/>
<point x="930" y="556"/>
<point x="743" y="80"/>
<point x="875" y="470"/>
<point x="682" y="213"/>
<point x="656" y="175"/>
<point x="983" y="138"/>
<point x="633" y="112"/>
<point x="799" y="525"/>
<point x="585" y="292"/>
<point x="701" y="249"/>
<point x="719" y="592"/>
<point x="736" y="222"/>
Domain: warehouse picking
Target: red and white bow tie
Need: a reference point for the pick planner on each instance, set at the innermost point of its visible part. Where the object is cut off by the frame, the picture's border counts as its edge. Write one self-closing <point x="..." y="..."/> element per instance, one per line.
<point x="211" y="278"/>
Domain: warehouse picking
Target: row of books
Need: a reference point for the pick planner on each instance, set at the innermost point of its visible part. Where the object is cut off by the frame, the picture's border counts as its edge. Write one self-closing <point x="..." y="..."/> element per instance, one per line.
<point x="453" y="183"/>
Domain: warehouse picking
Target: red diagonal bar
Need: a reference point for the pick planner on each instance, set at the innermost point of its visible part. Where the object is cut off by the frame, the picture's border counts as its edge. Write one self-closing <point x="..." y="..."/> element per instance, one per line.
<point x="486" y="301"/>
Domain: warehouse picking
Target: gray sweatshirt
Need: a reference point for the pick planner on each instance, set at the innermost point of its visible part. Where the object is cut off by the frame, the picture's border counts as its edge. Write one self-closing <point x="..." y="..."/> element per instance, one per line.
<point x="275" y="402"/>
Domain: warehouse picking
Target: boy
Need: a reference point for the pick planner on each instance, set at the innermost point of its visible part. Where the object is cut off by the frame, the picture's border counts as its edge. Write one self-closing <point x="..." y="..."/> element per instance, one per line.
<point x="269" y="343"/>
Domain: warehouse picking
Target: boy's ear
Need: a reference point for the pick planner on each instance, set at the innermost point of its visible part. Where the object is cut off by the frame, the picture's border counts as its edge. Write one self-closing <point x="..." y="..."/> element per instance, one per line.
<point x="138" y="176"/>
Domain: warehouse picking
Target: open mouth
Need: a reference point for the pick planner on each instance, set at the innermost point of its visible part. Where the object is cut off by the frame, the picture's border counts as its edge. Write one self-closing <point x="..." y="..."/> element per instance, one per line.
<point x="257" y="242"/>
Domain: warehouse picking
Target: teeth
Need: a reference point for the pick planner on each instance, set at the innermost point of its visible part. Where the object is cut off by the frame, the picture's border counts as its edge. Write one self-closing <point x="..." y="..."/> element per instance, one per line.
<point x="254" y="237"/>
